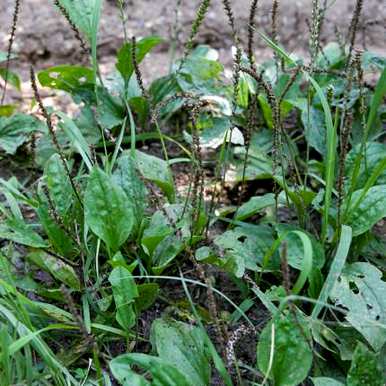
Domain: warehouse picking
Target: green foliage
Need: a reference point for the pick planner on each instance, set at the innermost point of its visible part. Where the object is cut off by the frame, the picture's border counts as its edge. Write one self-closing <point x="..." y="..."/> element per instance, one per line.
<point x="282" y="340"/>
<point x="182" y="357"/>
<point x="125" y="63"/>
<point x="124" y="291"/>
<point x="365" y="368"/>
<point x="264" y="191"/>
<point x="16" y="130"/>
<point x="107" y="210"/>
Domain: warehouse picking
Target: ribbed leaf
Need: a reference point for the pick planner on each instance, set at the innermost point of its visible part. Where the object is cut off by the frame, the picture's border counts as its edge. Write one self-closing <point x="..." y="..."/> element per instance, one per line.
<point x="107" y="210"/>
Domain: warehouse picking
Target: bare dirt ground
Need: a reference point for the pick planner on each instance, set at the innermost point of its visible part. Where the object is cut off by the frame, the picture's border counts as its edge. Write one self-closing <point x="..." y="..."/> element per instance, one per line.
<point x="44" y="39"/>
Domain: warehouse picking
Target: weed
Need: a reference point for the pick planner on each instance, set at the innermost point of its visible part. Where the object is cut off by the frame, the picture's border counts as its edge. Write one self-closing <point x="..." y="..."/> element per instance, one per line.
<point x="264" y="192"/>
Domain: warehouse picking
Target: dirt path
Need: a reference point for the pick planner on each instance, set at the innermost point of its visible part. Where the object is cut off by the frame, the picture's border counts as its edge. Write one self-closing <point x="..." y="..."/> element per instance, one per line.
<point x="45" y="39"/>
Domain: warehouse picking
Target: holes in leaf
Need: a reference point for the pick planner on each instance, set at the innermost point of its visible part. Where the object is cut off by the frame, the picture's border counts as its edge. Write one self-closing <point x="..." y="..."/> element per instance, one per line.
<point x="377" y="318"/>
<point x="54" y="75"/>
<point x="354" y="288"/>
<point x="82" y="80"/>
<point x="242" y="238"/>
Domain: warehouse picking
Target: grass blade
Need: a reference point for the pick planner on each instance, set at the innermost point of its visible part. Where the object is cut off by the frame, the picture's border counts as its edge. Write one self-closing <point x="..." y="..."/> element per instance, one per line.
<point x="335" y="270"/>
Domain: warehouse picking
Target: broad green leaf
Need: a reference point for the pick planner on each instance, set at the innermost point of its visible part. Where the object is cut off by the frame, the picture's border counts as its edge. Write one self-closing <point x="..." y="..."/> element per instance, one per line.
<point x="73" y="79"/>
<point x="158" y="229"/>
<point x="254" y="205"/>
<point x="156" y="170"/>
<point x="361" y="290"/>
<point x="166" y="251"/>
<point x="248" y="244"/>
<point x="107" y="211"/>
<point x="200" y="71"/>
<point x="365" y="368"/>
<point x="183" y="346"/>
<point x="367" y="209"/>
<point x="291" y="340"/>
<point x="15" y="130"/>
<point x="57" y="268"/>
<point x="59" y="185"/>
<point x="125" y="292"/>
<point x="82" y="13"/>
<point x="125" y="175"/>
<point x="163" y="373"/>
<point x="125" y="58"/>
<point x="323" y="381"/>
